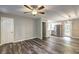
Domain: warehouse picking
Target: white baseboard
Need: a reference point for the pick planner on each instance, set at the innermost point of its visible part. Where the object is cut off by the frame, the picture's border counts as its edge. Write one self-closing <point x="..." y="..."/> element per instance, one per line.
<point x="23" y="39"/>
<point x="15" y="41"/>
<point x="75" y="37"/>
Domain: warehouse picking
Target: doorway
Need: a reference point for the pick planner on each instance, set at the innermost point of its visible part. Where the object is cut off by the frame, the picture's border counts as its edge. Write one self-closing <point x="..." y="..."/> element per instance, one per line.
<point x="43" y="30"/>
<point x="7" y="30"/>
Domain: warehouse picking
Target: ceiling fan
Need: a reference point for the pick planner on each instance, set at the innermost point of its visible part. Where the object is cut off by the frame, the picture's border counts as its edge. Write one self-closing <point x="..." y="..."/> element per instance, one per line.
<point x="35" y="9"/>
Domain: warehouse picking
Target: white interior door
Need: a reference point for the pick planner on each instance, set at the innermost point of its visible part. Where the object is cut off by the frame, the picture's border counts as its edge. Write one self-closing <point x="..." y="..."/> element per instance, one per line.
<point x="7" y="30"/>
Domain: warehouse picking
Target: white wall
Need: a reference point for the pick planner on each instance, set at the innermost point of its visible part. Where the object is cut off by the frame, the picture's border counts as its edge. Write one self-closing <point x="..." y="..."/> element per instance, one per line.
<point x="24" y="28"/>
<point x="75" y="28"/>
<point x="0" y="29"/>
<point x="38" y="28"/>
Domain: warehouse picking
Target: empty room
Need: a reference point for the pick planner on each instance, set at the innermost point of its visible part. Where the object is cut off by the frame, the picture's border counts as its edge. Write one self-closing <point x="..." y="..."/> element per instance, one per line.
<point x="39" y="29"/>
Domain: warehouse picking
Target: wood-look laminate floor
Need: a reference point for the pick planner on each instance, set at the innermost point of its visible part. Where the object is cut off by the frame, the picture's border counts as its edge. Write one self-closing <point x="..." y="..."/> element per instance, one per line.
<point x="52" y="45"/>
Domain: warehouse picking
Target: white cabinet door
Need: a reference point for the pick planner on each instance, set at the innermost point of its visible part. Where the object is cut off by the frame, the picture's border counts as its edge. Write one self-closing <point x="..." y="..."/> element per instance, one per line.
<point x="7" y="30"/>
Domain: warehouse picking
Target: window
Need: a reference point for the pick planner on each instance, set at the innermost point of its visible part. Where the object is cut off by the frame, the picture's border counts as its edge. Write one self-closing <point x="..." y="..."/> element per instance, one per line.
<point x="67" y="28"/>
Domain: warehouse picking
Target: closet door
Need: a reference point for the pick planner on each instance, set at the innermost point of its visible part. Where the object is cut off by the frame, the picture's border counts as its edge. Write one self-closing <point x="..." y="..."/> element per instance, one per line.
<point x="7" y="30"/>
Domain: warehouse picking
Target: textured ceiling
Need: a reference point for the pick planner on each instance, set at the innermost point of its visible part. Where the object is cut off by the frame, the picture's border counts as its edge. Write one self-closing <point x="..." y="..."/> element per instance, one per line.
<point x="52" y="12"/>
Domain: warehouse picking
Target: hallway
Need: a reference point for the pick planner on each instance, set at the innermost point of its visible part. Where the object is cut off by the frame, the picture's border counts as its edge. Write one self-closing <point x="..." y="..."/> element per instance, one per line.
<point x="52" y="45"/>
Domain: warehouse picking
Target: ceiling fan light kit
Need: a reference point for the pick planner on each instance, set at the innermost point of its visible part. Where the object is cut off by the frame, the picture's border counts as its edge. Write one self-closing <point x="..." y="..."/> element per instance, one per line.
<point x="34" y="12"/>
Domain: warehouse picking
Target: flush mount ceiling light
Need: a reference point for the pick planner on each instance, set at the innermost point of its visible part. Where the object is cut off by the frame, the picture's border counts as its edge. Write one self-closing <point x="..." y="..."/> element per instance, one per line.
<point x="34" y="9"/>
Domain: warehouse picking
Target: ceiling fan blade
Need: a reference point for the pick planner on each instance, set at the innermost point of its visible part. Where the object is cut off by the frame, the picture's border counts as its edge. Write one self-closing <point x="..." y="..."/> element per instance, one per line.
<point x="34" y="6"/>
<point x="28" y="7"/>
<point x="41" y="12"/>
<point x="26" y="12"/>
<point x="42" y="7"/>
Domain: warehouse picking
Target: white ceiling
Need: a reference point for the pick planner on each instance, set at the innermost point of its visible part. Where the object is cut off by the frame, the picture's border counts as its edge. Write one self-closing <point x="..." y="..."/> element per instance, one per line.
<point x="52" y="12"/>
